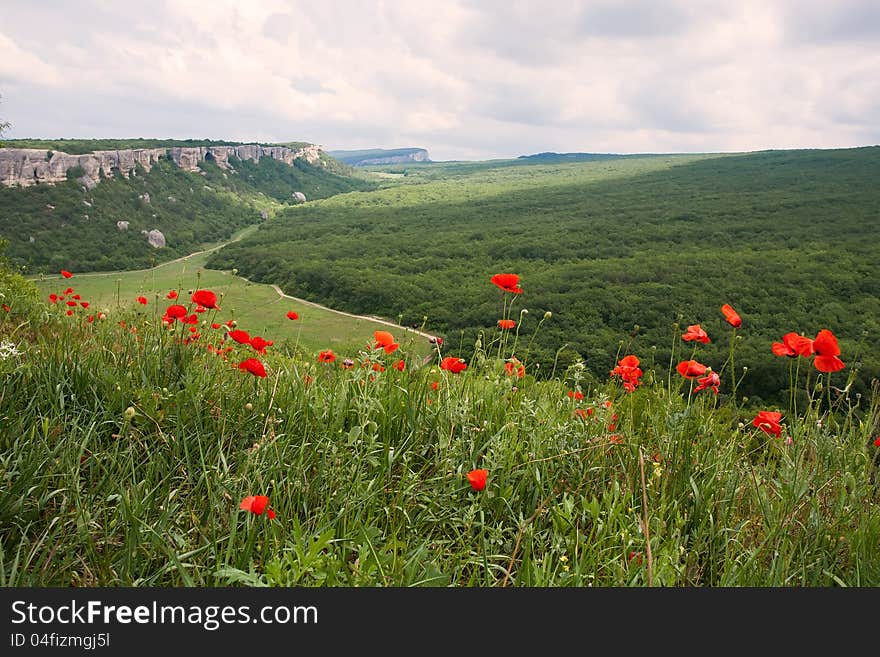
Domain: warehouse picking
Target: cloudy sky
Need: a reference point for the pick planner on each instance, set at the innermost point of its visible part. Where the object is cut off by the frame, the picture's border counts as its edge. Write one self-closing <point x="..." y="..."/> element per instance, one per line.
<point x="466" y="79"/>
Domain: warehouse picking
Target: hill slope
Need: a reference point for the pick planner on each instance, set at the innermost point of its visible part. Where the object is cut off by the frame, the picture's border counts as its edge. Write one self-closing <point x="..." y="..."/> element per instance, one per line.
<point x="617" y="250"/>
<point x="69" y="226"/>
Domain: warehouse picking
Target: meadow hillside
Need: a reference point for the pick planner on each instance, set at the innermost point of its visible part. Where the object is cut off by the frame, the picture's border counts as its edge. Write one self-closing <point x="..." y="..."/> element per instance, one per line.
<point x="625" y="253"/>
<point x="146" y="450"/>
<point x="67" y="226"/>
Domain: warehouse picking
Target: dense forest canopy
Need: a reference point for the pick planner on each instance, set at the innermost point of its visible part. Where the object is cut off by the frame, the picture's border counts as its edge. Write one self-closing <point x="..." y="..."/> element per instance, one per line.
<point x="618" y="250"/>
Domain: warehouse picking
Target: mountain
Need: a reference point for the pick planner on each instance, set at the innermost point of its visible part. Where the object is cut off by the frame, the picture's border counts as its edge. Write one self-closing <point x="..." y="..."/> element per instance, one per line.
<point x="368" y="157"/>
<point x="550" y="157"/>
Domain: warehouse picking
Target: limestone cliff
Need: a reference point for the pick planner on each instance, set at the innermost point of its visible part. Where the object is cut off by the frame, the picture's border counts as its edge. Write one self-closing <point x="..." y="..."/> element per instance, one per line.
<point x="31" y="166"/>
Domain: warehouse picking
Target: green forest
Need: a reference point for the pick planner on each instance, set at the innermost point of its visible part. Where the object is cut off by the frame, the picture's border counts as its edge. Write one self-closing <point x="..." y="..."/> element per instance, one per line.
<point x="624" y="253"/>
<point x="66" y="226"/>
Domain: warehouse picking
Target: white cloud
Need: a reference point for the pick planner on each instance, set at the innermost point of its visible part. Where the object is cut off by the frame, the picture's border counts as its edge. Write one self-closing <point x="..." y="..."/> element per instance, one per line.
<point x="464" y="79"/>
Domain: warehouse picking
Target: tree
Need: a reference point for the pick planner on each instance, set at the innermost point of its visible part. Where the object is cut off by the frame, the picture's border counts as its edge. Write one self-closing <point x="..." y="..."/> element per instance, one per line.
<point x="4" y="125"/>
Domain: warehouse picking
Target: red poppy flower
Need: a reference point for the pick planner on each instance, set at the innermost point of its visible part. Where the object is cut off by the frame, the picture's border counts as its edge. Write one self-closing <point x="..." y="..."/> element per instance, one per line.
<point x="477" y="479"/>
<point x="581" y="413"/>
<point x="76" y="296"/>
<point x="253" y="366"/>
<point x="171" y="295"/>
<point x="53" y="298"/>
<point x="691" y="369"/>
<point x="6" y="308"/>
<point x="400" y="365"/>
<point x="175" y="312"/>
<point x="215" y="325"/>
<point x="386" y="341"/>
<point x="827" y="352"/>
<point x="506" y="323"/>
<point x="575" y="394"/>
<point x="241" y="337"/>
<point x="90" y="319"/>
<point x="793" y="345"/>
<point x="434" y="385"/>
<point x="200" y="309"/>
<point x="877" y="442"/>
<point x="66" y="274"/>
<point x="259" y="344"/>
<point x="629" y="371"/>
<point x="378" y="367"/>
<point x="71" y="303"/>
<point x="205" y="298"/>
<point x="507" y="282"/>
<point x="84" y="304"/>
<point x="514" y="366"/>
<point x="292" y="315"/>
<point x="695" y="334"/>
<point x="326" y="356"/>
<point x="257" y="504"/>
<point x="711" y="380"/>
<point x="768" y="422"/>
<point x="68" y="290"/>
<point x="142" y="301"/>
<point x="192" y="319"/>
<point x="69" y="313"/>
<point x="731" y="316"/>
<point x="453" y="364"/>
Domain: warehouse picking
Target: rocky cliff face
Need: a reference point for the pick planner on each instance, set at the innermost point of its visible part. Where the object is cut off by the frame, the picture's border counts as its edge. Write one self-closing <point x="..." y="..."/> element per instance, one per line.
<point x="29" y="166"/>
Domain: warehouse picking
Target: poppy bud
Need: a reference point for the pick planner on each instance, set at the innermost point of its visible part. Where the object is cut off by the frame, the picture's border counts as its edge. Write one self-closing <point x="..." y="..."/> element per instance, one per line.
<point x="548" y="315"/>
<point x="249" y="406"/>
<point x="129" y="413"/>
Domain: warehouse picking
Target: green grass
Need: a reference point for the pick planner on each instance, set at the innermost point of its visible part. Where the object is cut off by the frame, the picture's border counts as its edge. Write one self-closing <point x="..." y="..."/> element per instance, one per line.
<point x="257" y="308"/>
<point x="125" y="455"/>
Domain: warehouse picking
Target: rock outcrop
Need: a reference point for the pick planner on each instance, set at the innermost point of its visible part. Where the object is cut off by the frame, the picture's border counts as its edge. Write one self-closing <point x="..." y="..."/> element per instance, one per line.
<point x="32" y="166"/>
<point x="156" y="238"/>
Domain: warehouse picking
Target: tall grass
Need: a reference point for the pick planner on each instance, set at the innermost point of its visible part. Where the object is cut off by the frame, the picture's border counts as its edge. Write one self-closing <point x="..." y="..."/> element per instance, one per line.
<point x="365" y="470"/>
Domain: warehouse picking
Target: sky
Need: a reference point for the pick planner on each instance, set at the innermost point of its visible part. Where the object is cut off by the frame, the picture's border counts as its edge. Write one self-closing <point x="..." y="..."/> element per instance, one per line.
<point x="470" y="80"/>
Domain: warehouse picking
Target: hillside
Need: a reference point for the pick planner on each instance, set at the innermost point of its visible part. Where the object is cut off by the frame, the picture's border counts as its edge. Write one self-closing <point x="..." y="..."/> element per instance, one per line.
<point x="99" y="223"/>
<point x="617" y="250"/>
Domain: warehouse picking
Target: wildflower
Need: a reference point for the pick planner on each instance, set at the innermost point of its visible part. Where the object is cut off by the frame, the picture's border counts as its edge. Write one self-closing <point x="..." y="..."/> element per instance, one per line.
<point x="453" y="364"/>
<point x="506" y="324"/>
<point x="877" y="441"/>
<point x="129" y="413"/>
<point x="241" y="337"/>
<point x="53" y="298"/>
<point x="292" y="315"/>
<point x="711" y="380"/>
<point x="259" y="344"/>
<point x="400" y="365"/>
<point x="71" y="303"/>
<point x="326" y="356"/>
<point x="69" y="313"/>
<point x="629" y="371"/>
<point x="477" y="479"/>
<point x="437" y="341"/>
<point x="200" y="309"/>
<point x="793" y="345"/>
<point x="514" y="366"/>
<point x="347" y="364"/>
<point x="434" y="385"/>
<point x="171" y="295"/>
<point x="142" y="301"/>
<point x="215" y="325"/>
<point x="253" y="366"/>
<point x="507" y="282"/>
<point x="90" y="319"/>
<point x="575" y="394"/>
<point x="257" y="504"/>
<point x="581" y="413"/>
<point x="386" y="341"/>
<point x="690" y="369"/>
<point x="84" y="304"/>
<point x="731" y="316"/>
<point x="827" y="352"/>
<point x="695" y="334"/>
<point x="768" y="422"/>
<point x="205" y="298"/>
<point x="175" y="312"/>
<point x="66" y="274"/>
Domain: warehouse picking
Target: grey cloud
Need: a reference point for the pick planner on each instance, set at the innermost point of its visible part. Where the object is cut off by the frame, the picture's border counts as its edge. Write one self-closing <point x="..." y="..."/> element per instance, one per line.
<point x="826" y="22"/>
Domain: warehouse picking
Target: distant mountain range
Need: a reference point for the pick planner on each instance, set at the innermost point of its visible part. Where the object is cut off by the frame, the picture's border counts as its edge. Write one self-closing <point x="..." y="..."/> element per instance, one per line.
<point x="371" y="156"/>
